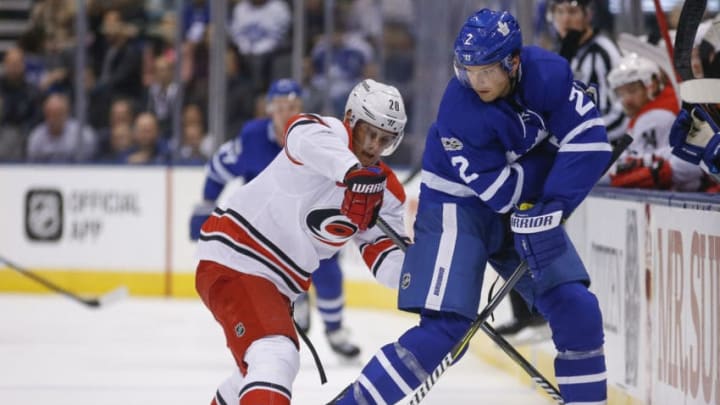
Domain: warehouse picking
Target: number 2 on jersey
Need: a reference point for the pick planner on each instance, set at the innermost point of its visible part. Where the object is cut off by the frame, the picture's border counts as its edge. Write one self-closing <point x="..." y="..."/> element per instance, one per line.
<point x="582" y="106"/>
<point x="463" y="163"/>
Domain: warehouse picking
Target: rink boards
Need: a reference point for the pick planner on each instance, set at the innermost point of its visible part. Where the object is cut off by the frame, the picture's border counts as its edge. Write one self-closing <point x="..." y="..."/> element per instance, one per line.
<point x="654" y="259"/>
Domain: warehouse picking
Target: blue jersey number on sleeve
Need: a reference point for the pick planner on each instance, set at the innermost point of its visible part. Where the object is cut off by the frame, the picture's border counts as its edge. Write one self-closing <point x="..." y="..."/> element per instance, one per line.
<point x="582" y="106"/>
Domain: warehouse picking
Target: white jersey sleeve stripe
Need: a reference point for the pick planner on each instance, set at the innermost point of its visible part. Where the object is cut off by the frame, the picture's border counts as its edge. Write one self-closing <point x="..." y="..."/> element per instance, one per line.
<point x="587" y="147"/>
<point x="495" y="186"/>
<point x="218" y="172"/>
<point x="580" y="129"/>
<point x="518" y="188"/>
<point x="438" y="183"/>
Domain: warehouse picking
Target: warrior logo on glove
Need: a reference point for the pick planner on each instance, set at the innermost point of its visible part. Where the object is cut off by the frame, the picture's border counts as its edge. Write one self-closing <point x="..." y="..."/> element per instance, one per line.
<point x="364" y="195"/>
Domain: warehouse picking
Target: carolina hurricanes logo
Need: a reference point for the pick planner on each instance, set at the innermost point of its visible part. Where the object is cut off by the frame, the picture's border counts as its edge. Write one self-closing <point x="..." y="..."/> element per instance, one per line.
<point x="328" y="225"/>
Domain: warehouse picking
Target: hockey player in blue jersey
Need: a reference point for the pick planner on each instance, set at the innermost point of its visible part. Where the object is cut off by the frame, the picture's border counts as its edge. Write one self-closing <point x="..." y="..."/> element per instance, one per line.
<point x="246" y="156"/>
<point x="512" y="128"/>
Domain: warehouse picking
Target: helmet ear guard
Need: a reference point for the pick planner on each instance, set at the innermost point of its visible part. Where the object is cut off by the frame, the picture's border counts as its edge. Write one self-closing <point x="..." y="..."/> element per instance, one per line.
<point x="379" y="105"/>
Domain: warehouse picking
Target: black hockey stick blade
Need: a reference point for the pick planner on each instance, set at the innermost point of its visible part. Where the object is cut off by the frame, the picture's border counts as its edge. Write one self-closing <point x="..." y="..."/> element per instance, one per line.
<point x="96" y="302"/>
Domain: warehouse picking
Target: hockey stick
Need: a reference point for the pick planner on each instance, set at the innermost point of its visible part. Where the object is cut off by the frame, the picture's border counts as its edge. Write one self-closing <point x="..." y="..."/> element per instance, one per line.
<point x="420" y="393"/>
<point x="700" y="91"/>
<point x="103" y="300"/>
<point x="690" y="17"/>
<point x="506" y="347"/>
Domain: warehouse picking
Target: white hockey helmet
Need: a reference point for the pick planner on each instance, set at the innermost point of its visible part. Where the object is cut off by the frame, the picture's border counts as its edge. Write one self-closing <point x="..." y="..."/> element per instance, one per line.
<point x="633" y="68"/>
<point x="381" y="106"/>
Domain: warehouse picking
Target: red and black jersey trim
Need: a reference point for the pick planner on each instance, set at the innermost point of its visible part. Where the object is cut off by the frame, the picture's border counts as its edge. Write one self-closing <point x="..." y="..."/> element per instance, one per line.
<point x="305" y="119"/>
<point x="265" y="241"/>
<point x="297" y="121"/>
<point x="264" y="385"/>
<point x="234" y="231"/>
<point x="375" y="252"/>
<point x="227" y="241"/>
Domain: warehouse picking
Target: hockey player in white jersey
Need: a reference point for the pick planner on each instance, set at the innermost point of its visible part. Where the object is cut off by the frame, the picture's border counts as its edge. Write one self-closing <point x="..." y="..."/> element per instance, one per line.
<point x="245" y="156"/>
<point x="257" y="253"/>
<point x="651" y="106"/>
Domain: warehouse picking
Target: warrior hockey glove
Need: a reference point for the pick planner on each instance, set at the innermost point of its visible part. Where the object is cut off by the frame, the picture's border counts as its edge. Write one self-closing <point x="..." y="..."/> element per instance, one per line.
<point x="695" y="139"/>
<point x="364" y="195"/>
<point x="539" y="237"/>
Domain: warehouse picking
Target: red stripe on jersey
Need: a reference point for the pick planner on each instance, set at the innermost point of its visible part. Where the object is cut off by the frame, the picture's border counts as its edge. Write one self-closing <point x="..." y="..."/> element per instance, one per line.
<point x="393" y="184"/>
<point x="227" y="226"/>
<point x="372" y="251"/>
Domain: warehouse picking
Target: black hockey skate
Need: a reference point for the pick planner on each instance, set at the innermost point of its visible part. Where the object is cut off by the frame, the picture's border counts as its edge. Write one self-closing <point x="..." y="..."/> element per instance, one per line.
<point x="339" y="341"/>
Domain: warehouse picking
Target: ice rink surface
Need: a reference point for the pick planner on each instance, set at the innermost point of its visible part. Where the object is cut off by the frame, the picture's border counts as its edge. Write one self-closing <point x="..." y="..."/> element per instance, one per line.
<point x="143" y="351"/>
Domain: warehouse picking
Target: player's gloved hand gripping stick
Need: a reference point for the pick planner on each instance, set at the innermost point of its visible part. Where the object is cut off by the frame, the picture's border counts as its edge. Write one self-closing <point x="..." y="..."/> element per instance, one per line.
<point x="695" y="138"/>
<point x="364" y="195"/>
<point x="480" y="320"/>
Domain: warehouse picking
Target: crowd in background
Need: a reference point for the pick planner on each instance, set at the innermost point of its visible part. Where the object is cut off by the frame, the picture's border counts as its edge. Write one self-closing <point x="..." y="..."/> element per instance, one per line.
<point x="131" y="64"/>
<point x="131" y="60"/>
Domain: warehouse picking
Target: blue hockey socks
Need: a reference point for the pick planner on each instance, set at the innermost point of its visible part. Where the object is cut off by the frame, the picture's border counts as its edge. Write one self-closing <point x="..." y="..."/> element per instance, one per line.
<point x="400" y="367"/>
<point x="575" y="319"/>
<point x="327" y="280"/>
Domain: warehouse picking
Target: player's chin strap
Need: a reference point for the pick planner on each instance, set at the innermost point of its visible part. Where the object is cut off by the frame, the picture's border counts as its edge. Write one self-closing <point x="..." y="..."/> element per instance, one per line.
<point x="316" y="358"/>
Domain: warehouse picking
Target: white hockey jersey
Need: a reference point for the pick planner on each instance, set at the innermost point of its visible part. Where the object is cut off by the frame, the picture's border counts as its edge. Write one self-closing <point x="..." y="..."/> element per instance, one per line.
<point x="283" y="222"/>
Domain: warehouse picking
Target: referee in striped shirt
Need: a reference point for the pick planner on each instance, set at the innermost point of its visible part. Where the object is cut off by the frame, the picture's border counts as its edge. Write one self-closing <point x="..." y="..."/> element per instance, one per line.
<point x="591" y="54"/>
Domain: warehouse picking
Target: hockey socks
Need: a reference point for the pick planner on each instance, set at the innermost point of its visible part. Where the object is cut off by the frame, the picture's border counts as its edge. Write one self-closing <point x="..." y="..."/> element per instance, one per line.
<point x="581" y="377"/>
<point x="399" y="368"/>
<point x="327" y="280"/>
<point x="575" y="319"/>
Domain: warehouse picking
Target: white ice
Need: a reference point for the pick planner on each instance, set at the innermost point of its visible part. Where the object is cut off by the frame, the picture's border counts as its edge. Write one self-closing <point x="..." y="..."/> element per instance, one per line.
<point x="165" y="351"/>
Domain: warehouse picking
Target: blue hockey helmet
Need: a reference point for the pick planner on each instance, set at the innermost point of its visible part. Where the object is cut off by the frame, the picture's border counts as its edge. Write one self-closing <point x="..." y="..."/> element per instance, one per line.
<point x="284" y="88"/>
<point x="486" y="37"/>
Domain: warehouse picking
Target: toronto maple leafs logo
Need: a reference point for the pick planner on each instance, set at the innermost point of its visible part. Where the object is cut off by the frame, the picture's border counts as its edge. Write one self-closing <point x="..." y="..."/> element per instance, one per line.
<point x="503" y="28"/>
<point x="451" y="144"/>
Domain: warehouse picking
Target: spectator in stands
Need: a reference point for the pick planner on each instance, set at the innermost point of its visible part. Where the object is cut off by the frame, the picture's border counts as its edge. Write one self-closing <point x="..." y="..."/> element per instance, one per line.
<point x="192" y="150"/>
<point x="240" y="103"/>
<point x="120" y="145"/>
<point x="652" y="107"/>
<point x="149" y="148"/>
<point x="259" y="30"/>
<point x="57" y="20"/>
<point x="193" y="114"/>
<point x="19" y="106"/>
<point x="59" y="139"/>
<point x="56" y="67"/>
<point x="195" y="19"/>
<point x="351" y="60"/>
<point x="591" y="55"/>
<point x="162" y="95"/>
<point x="119" y="70"/>
<point x="122" y="113"/>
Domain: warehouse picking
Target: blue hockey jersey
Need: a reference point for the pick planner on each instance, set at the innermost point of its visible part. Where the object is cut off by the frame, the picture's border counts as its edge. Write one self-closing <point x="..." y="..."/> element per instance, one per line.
<point x="245" y="156"/>
<point x="544" y="142"/>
